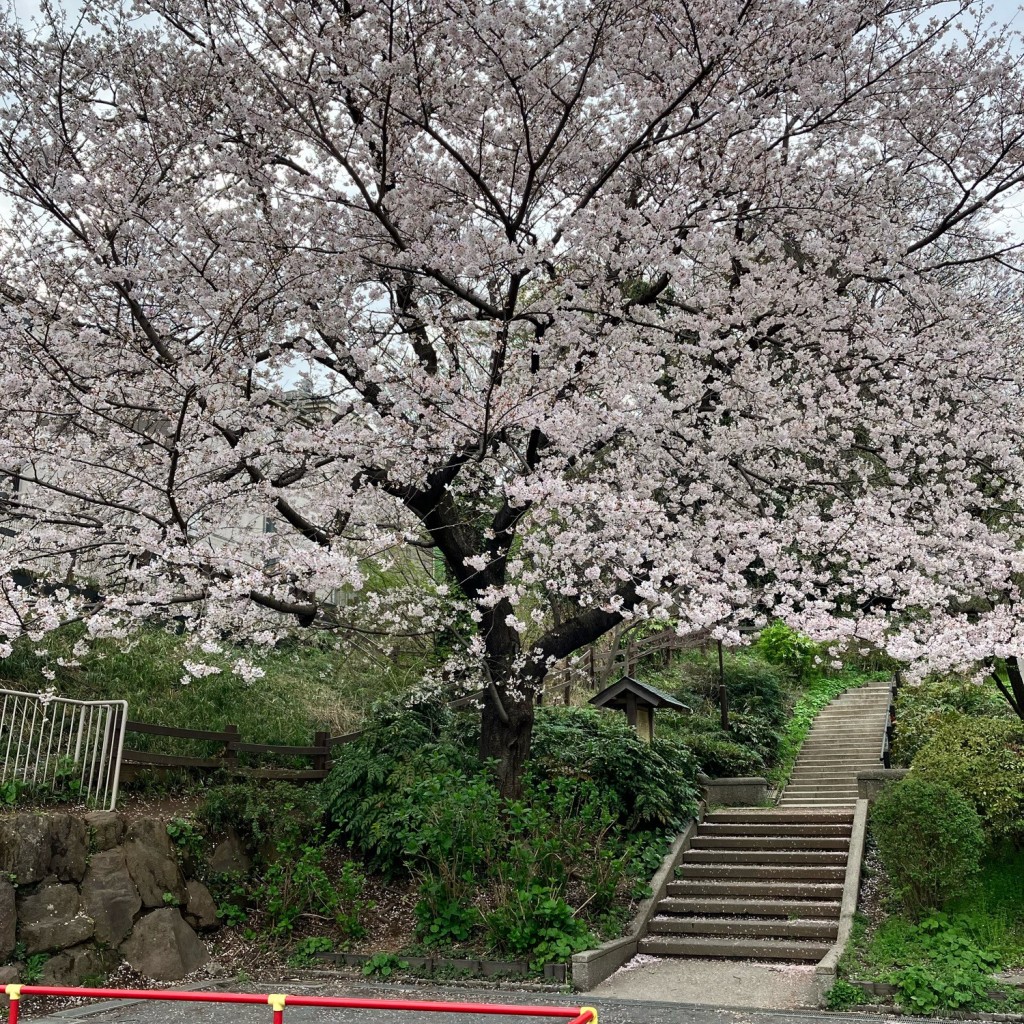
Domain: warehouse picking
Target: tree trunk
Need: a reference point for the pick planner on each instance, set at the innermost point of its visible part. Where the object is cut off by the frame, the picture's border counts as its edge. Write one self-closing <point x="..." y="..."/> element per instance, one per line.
<point x="1013" y="688"/>
<point x="505" y="739"/>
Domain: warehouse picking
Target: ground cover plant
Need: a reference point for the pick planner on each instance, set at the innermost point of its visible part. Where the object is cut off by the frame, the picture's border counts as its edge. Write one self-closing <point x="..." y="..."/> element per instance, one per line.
<point x="304" y="686"/>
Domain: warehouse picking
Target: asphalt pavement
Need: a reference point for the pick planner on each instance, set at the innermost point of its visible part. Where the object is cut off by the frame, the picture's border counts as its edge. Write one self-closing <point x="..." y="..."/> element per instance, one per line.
<point x="610" y="1011"/>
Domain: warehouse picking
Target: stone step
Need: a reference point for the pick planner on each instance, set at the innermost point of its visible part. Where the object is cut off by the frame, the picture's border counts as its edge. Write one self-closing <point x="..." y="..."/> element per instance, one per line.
<point x="769" y="843"/>
<point x="769" y="816"/>
<point x="854" y="767"/>
<point x="749" y="908"/>
<point x="820" y="928"/>
<point x="819" y="788"/>
<point x="765" y="872"/>
<point x="755" y="949"/>
<point x="803" y="801"/>
<point x="764" y="855"/>
<point x="769" y="890"/>
<point x="830" y="830"/>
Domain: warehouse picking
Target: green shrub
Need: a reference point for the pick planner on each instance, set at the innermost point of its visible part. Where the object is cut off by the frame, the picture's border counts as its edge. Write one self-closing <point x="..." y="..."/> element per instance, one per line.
<point x="721" y="757"/>
<point x="844" y="996"/>
<point x="930" y="841"/>
<point x="650" y="784"/>
<point x="924" y="707"/>
<point x="442" y="919"/>
<point x="793" y="652"/>
<point x="983" y="758"/>
<point x="264" y="814"/>
<point x="535" y="924"/>
<point x="753" y="685"/>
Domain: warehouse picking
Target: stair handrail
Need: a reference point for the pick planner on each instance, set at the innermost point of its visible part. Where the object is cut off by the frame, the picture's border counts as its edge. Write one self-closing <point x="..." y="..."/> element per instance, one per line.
<point x="885" y="755"/>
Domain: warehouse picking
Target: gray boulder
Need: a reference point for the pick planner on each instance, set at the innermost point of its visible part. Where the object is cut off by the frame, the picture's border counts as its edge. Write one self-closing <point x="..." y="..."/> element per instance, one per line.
<point x="8" y="917"/>
<point x="200" y="910"/>
<point x="52" y="918"/>
<point x="76" y="966"/>
<point x="69" y="847"/>
<point x="8" y="976"/>
<point x="110" y="897"/>
<point x="152" y="864"/>
<point x="106" y="830"/>
<point x="163" y="947"/>
<point x="229" y="857"/>
<point x="25" y="847"/>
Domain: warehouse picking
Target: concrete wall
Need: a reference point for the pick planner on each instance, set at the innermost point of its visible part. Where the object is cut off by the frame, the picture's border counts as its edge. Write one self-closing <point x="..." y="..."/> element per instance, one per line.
<point x="871" y="783"/>
<point x="739" y="792"/>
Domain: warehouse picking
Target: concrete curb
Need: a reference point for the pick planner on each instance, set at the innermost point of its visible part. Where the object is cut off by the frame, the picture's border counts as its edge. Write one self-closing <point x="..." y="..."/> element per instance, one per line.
<point x="825" y="972"/>
<point x="589" y="968"/>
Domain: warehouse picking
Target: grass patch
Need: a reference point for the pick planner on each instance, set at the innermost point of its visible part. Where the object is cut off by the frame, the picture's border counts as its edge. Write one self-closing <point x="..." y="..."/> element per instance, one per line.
<point x="307" y="685"/>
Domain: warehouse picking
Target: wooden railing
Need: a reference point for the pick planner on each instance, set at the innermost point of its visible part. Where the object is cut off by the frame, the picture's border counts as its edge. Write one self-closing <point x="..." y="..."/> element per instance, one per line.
<point x="231" y="744"/>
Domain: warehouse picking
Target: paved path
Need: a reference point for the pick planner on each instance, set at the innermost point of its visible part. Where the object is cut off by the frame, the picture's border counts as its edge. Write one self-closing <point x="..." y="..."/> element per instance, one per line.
<point x="730" y="983"/>
<point x="611" y="1011"/>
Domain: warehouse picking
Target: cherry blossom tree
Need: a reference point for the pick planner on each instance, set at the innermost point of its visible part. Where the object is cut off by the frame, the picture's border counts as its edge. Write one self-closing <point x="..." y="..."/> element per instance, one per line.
<point x="697" y="312"/>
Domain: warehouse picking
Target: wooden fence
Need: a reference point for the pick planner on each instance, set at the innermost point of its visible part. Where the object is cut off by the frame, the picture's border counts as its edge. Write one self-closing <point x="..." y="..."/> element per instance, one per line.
<point x="231" y="745"/>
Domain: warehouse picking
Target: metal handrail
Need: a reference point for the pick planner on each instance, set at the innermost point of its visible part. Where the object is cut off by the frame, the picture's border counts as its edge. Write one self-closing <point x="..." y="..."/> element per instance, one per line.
<point x="44" y="731"/>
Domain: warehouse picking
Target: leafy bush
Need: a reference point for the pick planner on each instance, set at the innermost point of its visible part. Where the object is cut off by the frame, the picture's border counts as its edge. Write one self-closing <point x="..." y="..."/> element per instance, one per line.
<point x="930" y="841"/>
<point x="721" y="757"/>
<point x="793" y="652"/>
<point x="844" y="996"/>
<point x="650" y="784"/>
<point x="442" y="919"/>
<point x="538" y="925"/>
<point x="263" y="814"/>
<point x="597" y="803"/>
<point x="295" y="885"/>
<point x="922" y="708"/>
<point x="753" y="685"/>
<point x="983" y="758"/>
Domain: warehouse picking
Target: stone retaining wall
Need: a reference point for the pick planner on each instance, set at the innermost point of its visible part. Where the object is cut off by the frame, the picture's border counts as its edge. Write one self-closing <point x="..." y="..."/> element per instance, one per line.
<point x="88" y="890"/>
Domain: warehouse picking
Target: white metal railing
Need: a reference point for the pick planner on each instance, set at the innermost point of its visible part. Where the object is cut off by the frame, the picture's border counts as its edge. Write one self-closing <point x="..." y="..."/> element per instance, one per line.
<point x="72" y="747"/>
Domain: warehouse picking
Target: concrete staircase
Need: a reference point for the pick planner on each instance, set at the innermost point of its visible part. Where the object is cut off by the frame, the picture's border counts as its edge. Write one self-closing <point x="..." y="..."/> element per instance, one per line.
<point x="767" y="883"/>
<point x="846" y="738"/>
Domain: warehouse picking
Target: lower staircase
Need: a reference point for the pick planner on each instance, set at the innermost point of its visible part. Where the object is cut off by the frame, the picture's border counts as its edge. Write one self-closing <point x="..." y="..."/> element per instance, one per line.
<point x="767" y="883"/>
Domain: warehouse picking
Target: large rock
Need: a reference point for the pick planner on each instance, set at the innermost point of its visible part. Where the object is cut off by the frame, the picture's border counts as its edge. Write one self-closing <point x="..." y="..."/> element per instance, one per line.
<point x="163" y="947"/>
<point x="77" y="966"/>
<point x="110" y="897"/>
<point x="8" y="917"/>
<point x="69" y="847"/>
<point x="200" y="910"/>
<point x="25" y="847"/>
<point x="229" y="857"/>
<point x="106" y="830"/>
<point x="52" y="918"/>
<point x="35" y="846"/>
<point x="152" y="864"/>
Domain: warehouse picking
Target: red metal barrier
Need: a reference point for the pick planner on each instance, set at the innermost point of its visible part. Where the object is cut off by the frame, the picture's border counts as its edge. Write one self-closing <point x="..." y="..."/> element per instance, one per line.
<point x="278" y="1001"/>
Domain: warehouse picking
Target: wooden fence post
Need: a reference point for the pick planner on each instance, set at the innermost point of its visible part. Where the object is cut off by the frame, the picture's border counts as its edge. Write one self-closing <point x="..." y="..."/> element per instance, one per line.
<point x="230" y="754"/>
<point x="322" y="762"/>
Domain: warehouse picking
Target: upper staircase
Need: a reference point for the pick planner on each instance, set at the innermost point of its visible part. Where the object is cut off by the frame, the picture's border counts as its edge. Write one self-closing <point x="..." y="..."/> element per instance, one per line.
<point x="845" y="738"/>
<point x="767" y="883"/>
